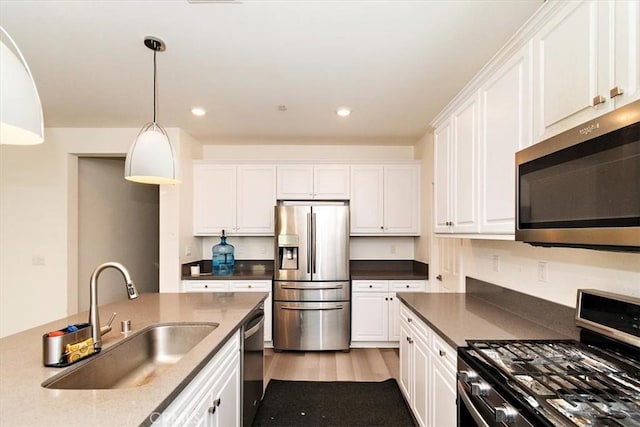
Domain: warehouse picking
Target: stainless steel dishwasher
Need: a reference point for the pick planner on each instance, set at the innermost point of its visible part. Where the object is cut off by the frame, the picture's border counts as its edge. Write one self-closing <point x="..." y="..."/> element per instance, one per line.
<point x="253" y="365"/>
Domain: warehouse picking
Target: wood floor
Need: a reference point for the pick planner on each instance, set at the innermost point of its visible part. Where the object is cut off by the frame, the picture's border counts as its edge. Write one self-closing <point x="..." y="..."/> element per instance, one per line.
<point x="359" y="364"/>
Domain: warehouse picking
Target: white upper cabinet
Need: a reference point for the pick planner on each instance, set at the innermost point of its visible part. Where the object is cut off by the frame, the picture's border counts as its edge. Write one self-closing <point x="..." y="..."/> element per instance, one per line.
<point x="456" y="171"/>
<point x="313" y="182"/>
<point x="505" y="128"/>
<point x="385" y="199"/>
<point x="586" y="64"/>
<point x="237" y="199"/>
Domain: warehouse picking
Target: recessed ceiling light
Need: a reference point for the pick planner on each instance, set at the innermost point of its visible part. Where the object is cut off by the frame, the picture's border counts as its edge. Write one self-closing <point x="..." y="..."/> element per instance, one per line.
<point x="343" y="112"/>
<point x="197" y="111"/>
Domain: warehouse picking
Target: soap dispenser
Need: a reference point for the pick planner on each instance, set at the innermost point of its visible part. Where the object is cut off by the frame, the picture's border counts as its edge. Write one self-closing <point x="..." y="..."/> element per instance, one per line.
<point x="223" y="261"/>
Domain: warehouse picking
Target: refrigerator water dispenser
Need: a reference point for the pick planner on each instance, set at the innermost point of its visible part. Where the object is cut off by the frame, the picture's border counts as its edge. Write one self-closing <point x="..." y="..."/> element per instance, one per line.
<point x="287" y="252"/>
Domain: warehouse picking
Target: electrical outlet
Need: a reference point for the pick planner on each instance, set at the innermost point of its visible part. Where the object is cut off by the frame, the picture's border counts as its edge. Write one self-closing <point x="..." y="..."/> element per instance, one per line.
<point x="392" y="249"/>
<point x="37" y="260"/>
<point x="187" y="251"/>
<point x="496" y="263"/>
<point x="543" y="272"/>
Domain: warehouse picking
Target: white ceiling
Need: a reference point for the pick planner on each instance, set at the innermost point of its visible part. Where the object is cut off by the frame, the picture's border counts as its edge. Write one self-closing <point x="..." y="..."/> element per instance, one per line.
<point x="395" y="63"/>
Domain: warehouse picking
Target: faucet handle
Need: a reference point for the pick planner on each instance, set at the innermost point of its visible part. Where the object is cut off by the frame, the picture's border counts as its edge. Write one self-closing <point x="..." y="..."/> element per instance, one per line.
<point x="107" y="328"/>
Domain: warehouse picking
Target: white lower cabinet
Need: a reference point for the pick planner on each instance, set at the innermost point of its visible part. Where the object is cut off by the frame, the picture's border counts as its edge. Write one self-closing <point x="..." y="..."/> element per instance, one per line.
<point x="375" y="310"/>
<point x="427" y="372"/>
<point x="237" y="286"/>
<point x="213" y="397"/>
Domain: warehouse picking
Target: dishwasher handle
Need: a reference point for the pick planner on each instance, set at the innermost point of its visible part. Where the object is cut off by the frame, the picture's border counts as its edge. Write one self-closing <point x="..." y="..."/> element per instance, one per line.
<point x="254" y="325"/>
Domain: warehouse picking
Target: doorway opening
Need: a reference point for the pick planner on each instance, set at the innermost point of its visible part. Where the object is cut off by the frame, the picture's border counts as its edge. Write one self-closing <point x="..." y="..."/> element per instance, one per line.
<point x="117" y="221"/>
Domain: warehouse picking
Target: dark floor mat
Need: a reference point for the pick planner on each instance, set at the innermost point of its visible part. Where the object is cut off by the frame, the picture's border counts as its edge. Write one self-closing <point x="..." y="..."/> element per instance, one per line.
<point x="313" y="403"/>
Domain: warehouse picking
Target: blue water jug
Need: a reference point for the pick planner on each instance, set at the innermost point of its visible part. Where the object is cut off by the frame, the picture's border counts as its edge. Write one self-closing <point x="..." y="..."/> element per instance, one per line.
<point x="223" y="260"/>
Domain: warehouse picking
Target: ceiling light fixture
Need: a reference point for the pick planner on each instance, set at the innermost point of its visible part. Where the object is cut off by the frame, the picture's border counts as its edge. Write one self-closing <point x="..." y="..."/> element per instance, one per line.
<point x="197" y="111"/>
<point x="21" y="121"/>
<point x="343" y="112"/>
<point x="152" y="158"/>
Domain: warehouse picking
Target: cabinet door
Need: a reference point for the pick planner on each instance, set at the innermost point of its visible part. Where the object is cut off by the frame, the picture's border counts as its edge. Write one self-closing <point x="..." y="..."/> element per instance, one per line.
<point x="394" y="317"/>
<point x="505" y="129"/>
<point x="625" y="32"/>
<point x="401" y="201"/>
<point x="204" y="285"/>
<point x="443" y="394"/>
<point x="331" y="182"/>
<point x="406" y="361"/>
<point x="295" y="182"/>
<point x="256" y="197"/>
<point x="369" y="316"/>
<point x="214" y="199"/>
<point x="225" y="409"/>
<point x="464" y="177"/>
<point x="442" y="173"/>
<point x="421" y="378"/>
<point x="367" y="199"/>
<point x="566" y="63"/>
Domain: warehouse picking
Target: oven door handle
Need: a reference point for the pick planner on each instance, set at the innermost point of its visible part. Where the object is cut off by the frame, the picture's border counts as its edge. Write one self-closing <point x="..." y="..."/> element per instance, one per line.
<point x="469" y="405"/>
<point x="335" y="307"/>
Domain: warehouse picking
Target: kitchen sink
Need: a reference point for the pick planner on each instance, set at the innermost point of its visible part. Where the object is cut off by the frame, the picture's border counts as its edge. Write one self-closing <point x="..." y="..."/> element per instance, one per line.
<point x="136" y="360"/>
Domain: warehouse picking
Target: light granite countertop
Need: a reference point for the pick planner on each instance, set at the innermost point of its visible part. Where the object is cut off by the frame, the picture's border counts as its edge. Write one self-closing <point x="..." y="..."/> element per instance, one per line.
<point x="458" y="317"/>
<point x="24" y="402"/>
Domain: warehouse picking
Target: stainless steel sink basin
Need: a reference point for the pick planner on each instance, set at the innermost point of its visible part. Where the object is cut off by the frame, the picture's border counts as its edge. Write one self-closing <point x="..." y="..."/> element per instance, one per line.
<point x="136" y="360"/>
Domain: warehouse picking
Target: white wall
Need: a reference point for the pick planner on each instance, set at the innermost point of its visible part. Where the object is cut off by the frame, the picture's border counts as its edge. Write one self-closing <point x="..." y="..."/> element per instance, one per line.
<point x="568" y="269"/>
<point x="361" y="248"/>
<point x="38" y="223"/>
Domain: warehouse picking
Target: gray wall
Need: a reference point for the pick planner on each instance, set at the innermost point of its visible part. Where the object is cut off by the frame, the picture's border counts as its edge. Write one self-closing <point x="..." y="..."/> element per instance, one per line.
<point x="117" y="221"/>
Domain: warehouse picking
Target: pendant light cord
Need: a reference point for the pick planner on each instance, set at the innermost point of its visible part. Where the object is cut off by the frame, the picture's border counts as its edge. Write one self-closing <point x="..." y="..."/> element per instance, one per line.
<point x="155" y="84"/>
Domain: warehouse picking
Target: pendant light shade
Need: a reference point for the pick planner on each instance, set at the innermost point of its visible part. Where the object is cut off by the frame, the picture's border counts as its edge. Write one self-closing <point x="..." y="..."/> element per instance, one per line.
<point x="152" y="158"/>
<point x="21" y="121"/>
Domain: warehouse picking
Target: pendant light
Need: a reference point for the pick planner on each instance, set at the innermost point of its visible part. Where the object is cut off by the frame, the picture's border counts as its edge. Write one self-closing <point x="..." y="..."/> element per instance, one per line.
<point x="152" y="158"/>
<point x="21" y="121"/>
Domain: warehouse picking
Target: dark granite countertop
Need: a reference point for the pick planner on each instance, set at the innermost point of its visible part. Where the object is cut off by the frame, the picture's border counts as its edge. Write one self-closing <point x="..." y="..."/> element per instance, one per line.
<point x="458" y="317"/>
<point x="244" y="270"/>
<point x="388" y="270"/>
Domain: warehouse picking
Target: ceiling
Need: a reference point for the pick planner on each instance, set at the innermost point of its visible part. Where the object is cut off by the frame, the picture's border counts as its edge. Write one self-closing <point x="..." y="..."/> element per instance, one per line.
<point x="396" y="64"/>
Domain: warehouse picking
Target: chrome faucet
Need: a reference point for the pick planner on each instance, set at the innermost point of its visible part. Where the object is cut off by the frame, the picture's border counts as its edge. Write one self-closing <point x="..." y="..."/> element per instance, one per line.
<point x="94" y="315"/>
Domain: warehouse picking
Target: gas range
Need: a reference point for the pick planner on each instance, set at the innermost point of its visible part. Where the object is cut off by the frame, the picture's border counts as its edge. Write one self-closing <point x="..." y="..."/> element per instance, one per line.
<point x="593" y="382"/>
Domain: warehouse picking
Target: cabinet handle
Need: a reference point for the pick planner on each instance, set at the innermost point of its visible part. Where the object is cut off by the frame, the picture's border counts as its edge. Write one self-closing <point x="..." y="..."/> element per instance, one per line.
<point x="391" y="299"/>
<point x="409" y="340"/>
<point x="206" y="286"/>
<point x="616" y="91"/>
<point x="409" y="320"/>
<point x="216" y="403"/>
<point x="439" y="277"/>
<point x="386" y="299"/>
<point x="371" y="286"/>
<point x="407" y="286"/>
<point x="249" y="286"/>
<point x="442" y="353"/>
<point x="599" y="99"/>
<point x="381" y="227"/>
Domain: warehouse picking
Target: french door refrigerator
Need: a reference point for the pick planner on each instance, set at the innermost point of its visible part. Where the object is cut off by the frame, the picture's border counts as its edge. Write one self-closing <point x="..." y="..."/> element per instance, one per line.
<point x="311" y="290"/>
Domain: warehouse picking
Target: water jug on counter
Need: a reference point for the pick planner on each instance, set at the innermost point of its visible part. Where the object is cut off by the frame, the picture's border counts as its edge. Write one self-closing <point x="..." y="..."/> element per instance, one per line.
<point x="223" y="260"/>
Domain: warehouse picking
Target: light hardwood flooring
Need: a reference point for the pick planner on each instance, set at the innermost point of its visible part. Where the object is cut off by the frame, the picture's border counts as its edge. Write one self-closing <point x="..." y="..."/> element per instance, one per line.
<point x="359" y="364"/>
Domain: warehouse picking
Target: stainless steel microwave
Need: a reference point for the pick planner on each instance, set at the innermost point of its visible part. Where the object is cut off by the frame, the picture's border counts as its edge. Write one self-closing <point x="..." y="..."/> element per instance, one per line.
<point x="581" y="188"/>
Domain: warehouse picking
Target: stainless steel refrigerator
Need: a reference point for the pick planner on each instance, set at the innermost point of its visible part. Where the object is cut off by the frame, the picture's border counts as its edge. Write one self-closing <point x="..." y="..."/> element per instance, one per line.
<point x="311" y="290"/>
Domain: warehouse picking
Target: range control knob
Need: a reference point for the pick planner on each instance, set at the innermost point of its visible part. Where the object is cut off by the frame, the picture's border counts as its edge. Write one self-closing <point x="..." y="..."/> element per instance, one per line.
<point x="506" y="414"/>
<point x="466" y="376"/>
<point x="480" y="388"/>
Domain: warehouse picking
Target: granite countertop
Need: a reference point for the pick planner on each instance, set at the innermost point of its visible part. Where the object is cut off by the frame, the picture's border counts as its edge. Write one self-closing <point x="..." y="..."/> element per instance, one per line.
<point x="23" y="401"/>
<point x="458" y="317"/>
<point x="244" y="270"/>
<point x="389" y="270"/>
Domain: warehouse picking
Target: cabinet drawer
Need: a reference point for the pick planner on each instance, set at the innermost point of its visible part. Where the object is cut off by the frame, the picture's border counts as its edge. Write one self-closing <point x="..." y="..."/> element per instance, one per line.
<point x="370" y="285"/>
<point x="249" y="286"/>
<point x="204" y="286"/>
<point x="418" y="326"/>
<point x="408" y="285"/>
<point x="444" y="352"/>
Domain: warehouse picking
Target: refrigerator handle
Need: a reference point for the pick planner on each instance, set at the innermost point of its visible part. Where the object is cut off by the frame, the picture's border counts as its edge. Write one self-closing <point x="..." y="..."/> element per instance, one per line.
<point x="309" y="243"/>
<point x="313" y="241"/>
